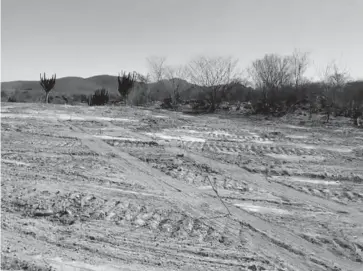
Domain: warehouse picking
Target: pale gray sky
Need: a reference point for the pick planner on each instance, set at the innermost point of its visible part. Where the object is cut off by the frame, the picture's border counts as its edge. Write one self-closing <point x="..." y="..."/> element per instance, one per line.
<point x="90" y="37"/>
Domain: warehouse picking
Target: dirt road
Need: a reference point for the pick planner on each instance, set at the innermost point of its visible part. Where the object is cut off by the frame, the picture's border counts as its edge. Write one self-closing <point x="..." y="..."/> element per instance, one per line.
<point x="109" y="188"/>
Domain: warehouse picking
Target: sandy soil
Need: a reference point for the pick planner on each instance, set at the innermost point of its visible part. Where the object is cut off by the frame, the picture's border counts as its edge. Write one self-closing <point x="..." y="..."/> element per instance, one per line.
<point x="112" y="188"/>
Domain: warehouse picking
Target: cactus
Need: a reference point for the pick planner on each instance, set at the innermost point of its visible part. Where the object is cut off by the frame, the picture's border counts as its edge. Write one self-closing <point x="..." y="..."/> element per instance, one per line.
<point x="47" y="85"/>
<point x="125" y="84"/>
<point x="100" y="97"/>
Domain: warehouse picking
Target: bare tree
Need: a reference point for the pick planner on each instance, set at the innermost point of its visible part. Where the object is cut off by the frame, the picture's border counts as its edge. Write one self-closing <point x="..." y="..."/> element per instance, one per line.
<point x="334" y="81"/>
<point x="157" y="68"/>
<point x="271" y="72"/>
<point x="213" y="74"/>
<point x="143" y="79"/>
<point x="299" y="64"/>
<point x="176" y="76"/>
<point x="47" y="84"/>
<point x="273" y="75"/>
<point x="336" y="77"/>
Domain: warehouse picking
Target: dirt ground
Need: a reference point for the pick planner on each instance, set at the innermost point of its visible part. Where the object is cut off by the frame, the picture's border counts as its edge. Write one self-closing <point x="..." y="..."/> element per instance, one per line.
<point x="110" y="188"/>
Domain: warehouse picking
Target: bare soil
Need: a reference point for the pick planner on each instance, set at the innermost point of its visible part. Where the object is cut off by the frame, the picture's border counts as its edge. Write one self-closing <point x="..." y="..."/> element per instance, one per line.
<point x="120" y="188"/>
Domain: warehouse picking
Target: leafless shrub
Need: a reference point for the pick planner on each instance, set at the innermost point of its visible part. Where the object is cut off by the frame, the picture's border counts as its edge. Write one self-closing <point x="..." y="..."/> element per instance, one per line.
<point x="175" y="76"/>
<point x="140" y="93"/>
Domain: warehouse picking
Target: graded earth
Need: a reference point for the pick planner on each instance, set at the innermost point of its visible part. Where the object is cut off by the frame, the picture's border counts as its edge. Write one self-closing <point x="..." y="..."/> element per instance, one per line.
<point x="122" y="188"/>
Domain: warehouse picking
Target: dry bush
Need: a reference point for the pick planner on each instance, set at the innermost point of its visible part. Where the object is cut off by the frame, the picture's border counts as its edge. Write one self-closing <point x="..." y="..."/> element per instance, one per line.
<point x="100" y="97"/>
<point x="79" y="98"/>
<point x="12" y="99"/>
<point x="139" y="95"/>
<point x="21" y="96"/>
<point x="4" y="96"/>
<point x="176" y="77"/>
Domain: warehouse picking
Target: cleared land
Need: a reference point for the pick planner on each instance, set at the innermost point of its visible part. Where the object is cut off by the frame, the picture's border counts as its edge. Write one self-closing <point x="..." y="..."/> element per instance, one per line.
<point x="110" y="188"/>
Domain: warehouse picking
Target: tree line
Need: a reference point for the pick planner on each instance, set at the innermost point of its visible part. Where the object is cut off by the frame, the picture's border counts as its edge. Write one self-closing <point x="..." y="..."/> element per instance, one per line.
<point x="274" y="84"/>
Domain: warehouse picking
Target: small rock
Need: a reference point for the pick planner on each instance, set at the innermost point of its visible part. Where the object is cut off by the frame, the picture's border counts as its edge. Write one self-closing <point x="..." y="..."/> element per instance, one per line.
<point x="252" y="267"/>
<point x="43" y="213"/>
<point x="349" y="195"/>
<point x="285" y="173"/>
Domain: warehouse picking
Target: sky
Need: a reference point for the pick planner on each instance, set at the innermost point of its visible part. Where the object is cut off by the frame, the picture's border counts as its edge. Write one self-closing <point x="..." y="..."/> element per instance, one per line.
<point x="91" y="37"/>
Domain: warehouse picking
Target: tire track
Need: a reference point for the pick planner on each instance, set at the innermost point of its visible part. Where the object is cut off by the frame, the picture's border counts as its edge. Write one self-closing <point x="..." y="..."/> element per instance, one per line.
<point x="131" y="143"/>
<point x="339" y="192"/>
<point x="249" y="148"/>
<point x="233" y="135"/>
<point x="186" y="196"/>
<point x="127" y="212"/>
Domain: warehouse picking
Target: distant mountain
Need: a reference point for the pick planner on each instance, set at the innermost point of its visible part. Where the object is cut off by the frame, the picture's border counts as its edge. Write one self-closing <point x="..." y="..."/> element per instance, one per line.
<point x="66" y="85"/>
<point x="107" y="81"/>
<point x="20" y="85"/>
<point x="69" y="86"/>
<point x="77" y="86"/>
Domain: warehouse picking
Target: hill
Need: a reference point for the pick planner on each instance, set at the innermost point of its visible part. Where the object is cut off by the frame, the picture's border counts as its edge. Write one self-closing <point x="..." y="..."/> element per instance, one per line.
<point x="77" y="86"/>
<point x="31" y="91"/>
<point x="66" y="85"/>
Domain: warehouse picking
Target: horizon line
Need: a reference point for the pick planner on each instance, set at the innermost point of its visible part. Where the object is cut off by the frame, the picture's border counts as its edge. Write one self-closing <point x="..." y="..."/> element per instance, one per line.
<point x="313" y="80"/>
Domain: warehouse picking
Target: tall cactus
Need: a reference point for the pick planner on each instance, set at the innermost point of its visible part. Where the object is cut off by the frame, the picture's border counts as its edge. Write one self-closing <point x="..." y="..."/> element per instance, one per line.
<point x="125" y="84"/>
<point x="47" y="84"/>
